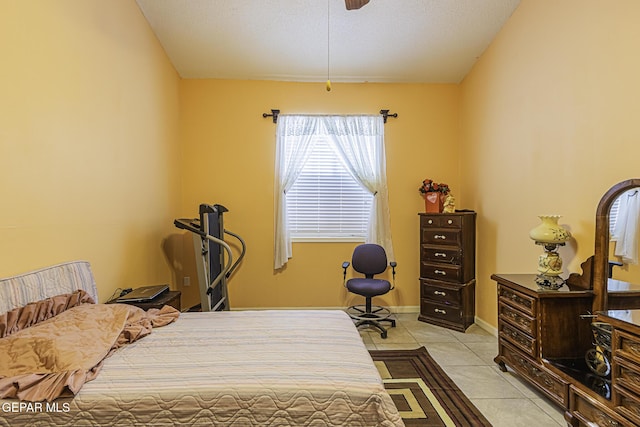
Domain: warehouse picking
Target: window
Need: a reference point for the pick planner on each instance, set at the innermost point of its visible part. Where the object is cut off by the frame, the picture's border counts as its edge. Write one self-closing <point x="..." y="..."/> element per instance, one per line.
<point x="613" y="216"/>
<point x="326" y="202"/>
<point x="330" y="181"/>
<point x="623" y="219"/>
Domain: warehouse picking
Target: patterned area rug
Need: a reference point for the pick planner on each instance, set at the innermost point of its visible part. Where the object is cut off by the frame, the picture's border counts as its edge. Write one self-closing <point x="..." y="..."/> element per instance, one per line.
<point x="422" y="392"/>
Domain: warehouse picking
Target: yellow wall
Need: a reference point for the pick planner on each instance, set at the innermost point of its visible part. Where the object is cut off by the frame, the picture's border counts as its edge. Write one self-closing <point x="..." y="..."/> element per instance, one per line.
<point x="102" y="146"/>
<point x="89" y="159"/>
<point x="228" y="158"/>
<point x="549" y="122"/>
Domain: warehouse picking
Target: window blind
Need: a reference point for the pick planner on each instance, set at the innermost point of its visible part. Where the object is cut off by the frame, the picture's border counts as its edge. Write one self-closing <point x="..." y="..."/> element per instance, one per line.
<point x="613" y="215"/>
<point x="326" y="202"/>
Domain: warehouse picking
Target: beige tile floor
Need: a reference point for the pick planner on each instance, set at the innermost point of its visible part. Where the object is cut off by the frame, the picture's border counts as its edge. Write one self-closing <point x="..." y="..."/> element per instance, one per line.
<point x="467" y="358"/>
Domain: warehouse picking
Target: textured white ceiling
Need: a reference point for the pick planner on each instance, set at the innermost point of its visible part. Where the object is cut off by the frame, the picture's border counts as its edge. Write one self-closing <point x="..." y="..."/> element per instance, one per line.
<point x="435" y="41"/>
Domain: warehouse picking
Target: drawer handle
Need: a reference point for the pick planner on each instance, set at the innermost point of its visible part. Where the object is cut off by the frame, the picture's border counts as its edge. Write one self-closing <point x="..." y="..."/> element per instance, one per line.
<point x="430" y="221"/>
<point x="516" y="299"/>
<point x="439" y="293"/>
<point x="440" y="254"/>
<point x="450" y="222"/>
<point x="440" y="236"/>
<point x="444" y="273"/>
<point x="437" y="310"/>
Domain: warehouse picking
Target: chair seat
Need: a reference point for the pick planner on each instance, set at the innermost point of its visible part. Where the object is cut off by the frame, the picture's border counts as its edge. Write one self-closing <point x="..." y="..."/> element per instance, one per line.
<point x="368" y="287"/>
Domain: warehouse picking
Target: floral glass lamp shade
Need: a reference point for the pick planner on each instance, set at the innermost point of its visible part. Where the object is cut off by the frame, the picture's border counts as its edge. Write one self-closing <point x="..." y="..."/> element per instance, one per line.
<point x="550" y="235"/>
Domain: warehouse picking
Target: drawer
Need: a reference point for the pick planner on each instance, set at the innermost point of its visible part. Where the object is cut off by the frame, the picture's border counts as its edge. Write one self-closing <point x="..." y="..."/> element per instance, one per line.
<point x="627" y="374"/>
<point x="441" y="293"/>
<point x="441" y="254"/>
<point x="627" y="404"/>
<point x="446" y="221"/>
<point x="441" y="236"/>
<point x="518" y="338"/>
<point x="628" y="346"/>
<point x="446" y="272"/>
<point x="591" y="412"/>
<point x="550" y="384"/>
<point x="442" y="312"/>
<point x="515" y="317"/>
<point x="516" y="299"/>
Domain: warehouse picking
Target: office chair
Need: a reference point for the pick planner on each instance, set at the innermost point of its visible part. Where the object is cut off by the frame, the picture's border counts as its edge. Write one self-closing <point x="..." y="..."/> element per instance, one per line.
<point x="369" y="259"/>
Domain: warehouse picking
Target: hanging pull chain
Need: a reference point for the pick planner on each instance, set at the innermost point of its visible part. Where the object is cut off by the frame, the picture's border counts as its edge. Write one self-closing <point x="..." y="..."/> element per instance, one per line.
<point x="328" y="85"/>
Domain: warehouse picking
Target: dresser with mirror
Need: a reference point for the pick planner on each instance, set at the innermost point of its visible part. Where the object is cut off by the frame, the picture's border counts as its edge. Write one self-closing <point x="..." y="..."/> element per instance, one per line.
<point x="579" y="345"/>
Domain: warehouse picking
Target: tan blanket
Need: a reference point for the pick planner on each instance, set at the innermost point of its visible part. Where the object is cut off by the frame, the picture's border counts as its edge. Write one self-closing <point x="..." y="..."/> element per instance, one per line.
<point x="33" y="313"/>
<point x="56" y="357"/>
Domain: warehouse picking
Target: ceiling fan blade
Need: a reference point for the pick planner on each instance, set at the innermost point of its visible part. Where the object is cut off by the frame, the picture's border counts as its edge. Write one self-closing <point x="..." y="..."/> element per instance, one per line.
<point x="355" y="4"/>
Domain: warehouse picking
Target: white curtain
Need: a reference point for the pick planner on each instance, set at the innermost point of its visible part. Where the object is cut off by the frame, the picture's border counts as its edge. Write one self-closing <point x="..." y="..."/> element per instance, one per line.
<point x="289" y="163"/>
<point x="359" y="143"/>
<point x="625" y="231"/>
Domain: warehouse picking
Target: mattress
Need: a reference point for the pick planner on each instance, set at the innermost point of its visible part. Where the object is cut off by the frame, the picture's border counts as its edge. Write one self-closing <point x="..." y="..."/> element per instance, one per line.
<point x="241" y="368"/>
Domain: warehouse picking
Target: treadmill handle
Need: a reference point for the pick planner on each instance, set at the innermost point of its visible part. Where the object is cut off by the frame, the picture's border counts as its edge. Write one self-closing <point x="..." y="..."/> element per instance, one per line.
<point x="185" y="224"/>
<point x="226" y="268"/>
<point x="244" y="249"/>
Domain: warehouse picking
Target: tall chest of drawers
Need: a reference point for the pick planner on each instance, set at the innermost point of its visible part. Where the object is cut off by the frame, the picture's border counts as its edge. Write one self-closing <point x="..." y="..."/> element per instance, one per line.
<point x="447" y="269"/>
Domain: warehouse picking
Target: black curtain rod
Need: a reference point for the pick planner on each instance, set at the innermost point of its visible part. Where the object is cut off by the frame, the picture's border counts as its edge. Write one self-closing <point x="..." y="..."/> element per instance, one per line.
<point x="385" y="114"/>
<point x="274" y="114"/>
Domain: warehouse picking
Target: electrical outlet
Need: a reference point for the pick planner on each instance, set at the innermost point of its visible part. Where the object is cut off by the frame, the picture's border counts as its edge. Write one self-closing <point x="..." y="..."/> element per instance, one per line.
<point x="186" y="281"/>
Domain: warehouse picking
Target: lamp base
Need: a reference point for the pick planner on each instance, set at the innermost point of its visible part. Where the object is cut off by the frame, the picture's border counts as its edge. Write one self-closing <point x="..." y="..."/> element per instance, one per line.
<point x="549" y="282"/>
<point x="550" y="263"/>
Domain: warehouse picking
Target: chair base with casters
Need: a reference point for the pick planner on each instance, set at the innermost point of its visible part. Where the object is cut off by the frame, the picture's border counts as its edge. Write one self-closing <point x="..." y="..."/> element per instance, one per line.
<point x="371" y="315"/>
<point x="369" y="259"/>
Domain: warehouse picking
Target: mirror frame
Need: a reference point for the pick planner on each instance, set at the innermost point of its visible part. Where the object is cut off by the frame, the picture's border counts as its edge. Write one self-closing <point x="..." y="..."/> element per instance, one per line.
<point x="601" y="255"/>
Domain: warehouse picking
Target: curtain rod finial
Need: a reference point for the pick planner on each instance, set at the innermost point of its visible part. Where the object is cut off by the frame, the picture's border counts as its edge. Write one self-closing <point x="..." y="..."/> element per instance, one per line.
<point x="385" y="114"/>
<point x="274" y="114"/>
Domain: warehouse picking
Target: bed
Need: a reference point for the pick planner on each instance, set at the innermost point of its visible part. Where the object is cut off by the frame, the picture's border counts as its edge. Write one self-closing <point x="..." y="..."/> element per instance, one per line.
<point x="240" y="368"/>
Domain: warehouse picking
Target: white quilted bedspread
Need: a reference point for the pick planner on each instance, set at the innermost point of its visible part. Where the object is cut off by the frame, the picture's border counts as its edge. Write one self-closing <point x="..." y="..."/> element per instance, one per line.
<point x="244" y="368"/>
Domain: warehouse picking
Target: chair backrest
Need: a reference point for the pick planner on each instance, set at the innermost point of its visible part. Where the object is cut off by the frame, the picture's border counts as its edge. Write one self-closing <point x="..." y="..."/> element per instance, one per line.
<point x="369" y="259"/>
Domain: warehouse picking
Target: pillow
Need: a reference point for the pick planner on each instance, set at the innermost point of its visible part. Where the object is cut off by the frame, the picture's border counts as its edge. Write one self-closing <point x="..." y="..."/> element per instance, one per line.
<point x="22" y="289"/>
<point x="36" y="312"/>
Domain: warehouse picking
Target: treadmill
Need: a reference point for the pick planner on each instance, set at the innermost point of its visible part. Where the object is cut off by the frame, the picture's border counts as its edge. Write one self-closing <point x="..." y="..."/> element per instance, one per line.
<point x="215" y="263"/>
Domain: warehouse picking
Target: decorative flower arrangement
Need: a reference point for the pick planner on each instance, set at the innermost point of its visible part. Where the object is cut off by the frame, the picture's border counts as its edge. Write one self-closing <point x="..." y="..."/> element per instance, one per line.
<point x="428" y="186"/>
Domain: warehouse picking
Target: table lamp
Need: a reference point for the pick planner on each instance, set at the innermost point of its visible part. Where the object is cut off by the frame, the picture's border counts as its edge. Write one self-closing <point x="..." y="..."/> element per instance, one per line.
<point x="550" y="235"/>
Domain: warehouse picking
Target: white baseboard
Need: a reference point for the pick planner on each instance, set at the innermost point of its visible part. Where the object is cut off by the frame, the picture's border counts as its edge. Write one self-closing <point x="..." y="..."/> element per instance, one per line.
<point x="487" y="327"/>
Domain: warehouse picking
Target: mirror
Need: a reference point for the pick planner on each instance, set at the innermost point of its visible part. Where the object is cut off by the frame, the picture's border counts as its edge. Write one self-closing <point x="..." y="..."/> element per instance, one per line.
<point x="624" y="262"/>
<point x="614" y="293"/>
